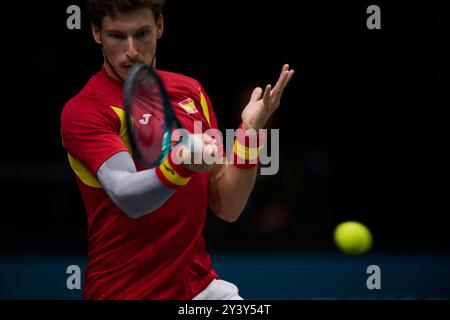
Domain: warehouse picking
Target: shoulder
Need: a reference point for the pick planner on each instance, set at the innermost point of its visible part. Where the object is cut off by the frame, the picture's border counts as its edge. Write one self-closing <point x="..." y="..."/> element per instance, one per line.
<point x="90" y="102"/>
<point x="178" y="82"/>
<point x="88" y="112"/>
<point x="83" y="105"/>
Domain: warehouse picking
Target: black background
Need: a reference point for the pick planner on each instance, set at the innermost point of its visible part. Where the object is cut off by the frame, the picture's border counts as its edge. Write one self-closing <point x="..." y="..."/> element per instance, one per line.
<point x="362" y="123"/>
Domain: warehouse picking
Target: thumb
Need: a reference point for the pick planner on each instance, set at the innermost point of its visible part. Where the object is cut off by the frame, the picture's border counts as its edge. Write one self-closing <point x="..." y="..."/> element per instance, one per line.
<point x="210" y="151"/>
<point x="207" y="139"/>
<point x="256" y="94"/>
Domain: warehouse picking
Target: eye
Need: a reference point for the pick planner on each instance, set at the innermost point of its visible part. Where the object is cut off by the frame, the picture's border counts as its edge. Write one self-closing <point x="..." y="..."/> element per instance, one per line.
<point x="143" y="34"/>
<point x="117" y="36"/>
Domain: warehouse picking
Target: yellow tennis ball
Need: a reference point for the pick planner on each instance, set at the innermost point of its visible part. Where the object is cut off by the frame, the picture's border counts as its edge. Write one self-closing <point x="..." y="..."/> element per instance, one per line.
<point x="353" y="237"/>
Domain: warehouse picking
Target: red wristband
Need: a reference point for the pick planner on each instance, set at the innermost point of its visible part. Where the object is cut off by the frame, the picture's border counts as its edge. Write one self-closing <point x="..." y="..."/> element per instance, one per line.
<point x="246" y="148"/>
<point x="173" y="175"/>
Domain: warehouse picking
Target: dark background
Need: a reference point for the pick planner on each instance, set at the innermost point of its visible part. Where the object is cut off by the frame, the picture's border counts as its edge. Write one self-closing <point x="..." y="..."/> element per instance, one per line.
<point x="362" y="123"/>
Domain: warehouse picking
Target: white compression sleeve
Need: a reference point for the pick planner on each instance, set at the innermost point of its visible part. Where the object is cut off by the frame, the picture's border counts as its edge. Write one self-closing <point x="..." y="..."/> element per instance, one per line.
<point x="136" y="193"/>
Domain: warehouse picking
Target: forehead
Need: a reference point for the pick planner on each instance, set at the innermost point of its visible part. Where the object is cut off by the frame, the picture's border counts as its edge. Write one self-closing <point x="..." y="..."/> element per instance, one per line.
<point x="130" y="20"/>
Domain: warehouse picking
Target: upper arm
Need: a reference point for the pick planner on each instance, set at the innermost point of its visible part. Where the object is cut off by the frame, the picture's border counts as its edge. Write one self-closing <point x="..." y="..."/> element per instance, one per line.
<point x="115" y="167"/>
<point x="121" y="161"/>
<point x="90" y="132"/>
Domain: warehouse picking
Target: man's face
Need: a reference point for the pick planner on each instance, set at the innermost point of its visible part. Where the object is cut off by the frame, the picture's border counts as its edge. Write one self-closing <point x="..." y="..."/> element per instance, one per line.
<point x="128" y="38"/>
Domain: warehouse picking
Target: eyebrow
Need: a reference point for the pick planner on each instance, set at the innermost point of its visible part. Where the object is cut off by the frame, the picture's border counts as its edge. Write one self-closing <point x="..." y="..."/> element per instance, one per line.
<point x="121" y="31"/>
<point x="112" y="30"/>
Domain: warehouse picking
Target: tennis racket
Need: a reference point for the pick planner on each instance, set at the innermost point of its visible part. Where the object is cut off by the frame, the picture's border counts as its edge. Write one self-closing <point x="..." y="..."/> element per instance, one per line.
<point x="150" y="117"/>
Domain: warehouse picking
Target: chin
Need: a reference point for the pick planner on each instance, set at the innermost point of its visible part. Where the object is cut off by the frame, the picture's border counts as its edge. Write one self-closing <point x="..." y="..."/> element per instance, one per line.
<point x="124" y="72"/>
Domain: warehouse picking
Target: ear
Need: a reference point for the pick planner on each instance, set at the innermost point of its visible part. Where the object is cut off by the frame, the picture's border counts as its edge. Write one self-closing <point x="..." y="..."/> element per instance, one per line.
<point x="159" y="26"/>
<point x="96" y="33"/>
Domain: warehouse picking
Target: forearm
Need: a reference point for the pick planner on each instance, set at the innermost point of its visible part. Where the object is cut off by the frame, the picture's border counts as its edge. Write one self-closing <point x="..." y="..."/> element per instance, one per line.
<point x="136" y="193"/>
<point x="229" y="190"/>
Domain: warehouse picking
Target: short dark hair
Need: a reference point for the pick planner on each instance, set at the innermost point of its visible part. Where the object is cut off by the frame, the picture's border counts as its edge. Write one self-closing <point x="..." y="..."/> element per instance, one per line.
<point x="98" y="9"/>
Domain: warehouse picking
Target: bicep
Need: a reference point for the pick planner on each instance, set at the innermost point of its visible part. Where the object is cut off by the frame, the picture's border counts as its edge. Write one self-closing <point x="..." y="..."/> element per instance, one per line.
<point x="112" y="172"/>
<point x="115" y="167"/>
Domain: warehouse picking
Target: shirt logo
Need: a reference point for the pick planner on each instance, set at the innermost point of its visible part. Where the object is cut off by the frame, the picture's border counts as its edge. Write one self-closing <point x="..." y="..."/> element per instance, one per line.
<point x="188" y="105"/>
<point x="170" y="170"/>
<point x="146" y="117"/>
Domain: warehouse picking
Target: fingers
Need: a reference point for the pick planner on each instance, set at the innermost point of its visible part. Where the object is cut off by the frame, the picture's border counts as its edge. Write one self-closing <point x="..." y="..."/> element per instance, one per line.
<point x="209" y="151"/>
<point x="286" y="78"/>
<point x="283" y="80"/>
<point x="291" y="73"/>
<point x="207" y="139"/>
<point x="195" y="143"/>
<point x="256" y="94"/>
<point x="266" y="97"/>
<point x="200" y="153"/>
<point x="277" y="91"/>
<point x="202" y="161"/>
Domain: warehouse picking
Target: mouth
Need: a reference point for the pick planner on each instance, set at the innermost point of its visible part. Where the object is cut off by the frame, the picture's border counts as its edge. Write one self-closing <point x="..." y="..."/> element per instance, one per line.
<point x="127" y="65"/>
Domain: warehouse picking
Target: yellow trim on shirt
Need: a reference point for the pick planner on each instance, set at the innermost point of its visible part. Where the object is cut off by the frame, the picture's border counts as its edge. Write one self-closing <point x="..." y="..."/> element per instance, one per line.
<point x="123" y="127"/>
<point x="204" y="105"/>
<point x="83" y="173"/>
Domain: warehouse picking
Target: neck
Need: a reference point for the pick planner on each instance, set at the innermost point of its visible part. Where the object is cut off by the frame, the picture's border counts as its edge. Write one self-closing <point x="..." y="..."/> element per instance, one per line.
<point x="109" y="68"/>
<point x="111" y="72"/>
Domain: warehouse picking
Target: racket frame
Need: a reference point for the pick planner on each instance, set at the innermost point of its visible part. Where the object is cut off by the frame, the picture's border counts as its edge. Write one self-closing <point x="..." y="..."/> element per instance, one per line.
<point x="170" y="119"/>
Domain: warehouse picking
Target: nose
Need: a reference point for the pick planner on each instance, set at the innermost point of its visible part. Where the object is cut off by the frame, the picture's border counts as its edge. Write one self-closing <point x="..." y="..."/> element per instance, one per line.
<point x="131" y="49"/>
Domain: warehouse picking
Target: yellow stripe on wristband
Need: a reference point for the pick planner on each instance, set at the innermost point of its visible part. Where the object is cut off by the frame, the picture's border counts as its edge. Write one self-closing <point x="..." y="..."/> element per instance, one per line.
<point x="171" y="175"/>
<point x="244" y="152"/>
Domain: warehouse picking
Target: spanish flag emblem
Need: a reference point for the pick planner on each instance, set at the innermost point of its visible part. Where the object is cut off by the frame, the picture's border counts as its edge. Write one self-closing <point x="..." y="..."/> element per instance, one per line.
<point x="188" y="105"/>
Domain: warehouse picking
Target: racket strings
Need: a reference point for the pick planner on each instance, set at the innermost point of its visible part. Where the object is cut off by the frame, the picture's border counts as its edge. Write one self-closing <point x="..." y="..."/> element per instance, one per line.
<point x="146" y="106"/>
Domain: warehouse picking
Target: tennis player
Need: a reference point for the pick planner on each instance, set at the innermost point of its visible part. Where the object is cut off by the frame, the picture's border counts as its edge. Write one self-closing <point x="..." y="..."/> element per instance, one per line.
<point x="145" y="225"/>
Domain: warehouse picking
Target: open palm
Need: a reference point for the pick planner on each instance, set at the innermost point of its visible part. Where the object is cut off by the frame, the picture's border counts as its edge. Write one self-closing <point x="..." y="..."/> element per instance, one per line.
<point x="263" y="104"/>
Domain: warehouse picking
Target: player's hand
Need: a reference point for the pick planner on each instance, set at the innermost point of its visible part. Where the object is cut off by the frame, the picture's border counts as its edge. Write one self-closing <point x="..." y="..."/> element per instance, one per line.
<point x="263" y="104"/>
<point x="202" y="157"/>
